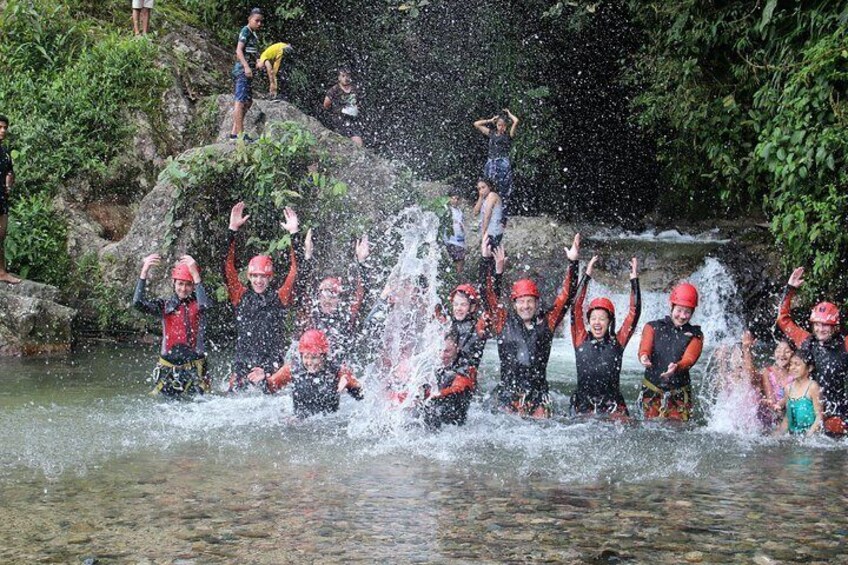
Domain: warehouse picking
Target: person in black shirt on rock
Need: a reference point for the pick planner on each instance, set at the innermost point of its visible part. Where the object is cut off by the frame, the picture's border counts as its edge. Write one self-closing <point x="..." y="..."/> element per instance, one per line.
<point x="7" y="180"/>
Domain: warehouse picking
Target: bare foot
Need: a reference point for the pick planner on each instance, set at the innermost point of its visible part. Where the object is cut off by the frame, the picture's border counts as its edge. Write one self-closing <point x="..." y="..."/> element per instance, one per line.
<point x="9" y="278"/>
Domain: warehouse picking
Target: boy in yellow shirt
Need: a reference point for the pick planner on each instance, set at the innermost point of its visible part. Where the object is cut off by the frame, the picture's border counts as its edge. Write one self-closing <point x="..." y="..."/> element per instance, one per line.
<point x="271" y="60"/>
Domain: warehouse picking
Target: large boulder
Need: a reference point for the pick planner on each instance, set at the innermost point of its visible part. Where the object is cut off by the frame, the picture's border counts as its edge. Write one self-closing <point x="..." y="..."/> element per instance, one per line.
<point x="32" y="321"/>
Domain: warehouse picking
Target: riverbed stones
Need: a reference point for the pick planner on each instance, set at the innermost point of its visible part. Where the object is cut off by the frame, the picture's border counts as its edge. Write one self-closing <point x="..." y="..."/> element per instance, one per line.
<point x="32" y="321"/>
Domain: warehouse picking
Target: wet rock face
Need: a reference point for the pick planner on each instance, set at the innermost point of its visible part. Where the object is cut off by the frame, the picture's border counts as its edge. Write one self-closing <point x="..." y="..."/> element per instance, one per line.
<point x="32" y="321"/>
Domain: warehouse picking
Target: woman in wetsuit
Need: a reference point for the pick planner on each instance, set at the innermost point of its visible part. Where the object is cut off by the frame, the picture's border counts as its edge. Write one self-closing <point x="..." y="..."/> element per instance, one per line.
<point x="599" y="351"/>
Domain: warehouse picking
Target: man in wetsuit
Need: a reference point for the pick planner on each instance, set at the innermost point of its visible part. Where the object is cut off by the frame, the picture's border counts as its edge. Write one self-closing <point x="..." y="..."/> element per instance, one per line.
<point x="449" y="403"/>
<point x="524" y="336"/>
<point x="599" y="352"/>
<point x="828" y="349"/>
<point x="669" y="348"/>
<point x="7" y="179"/>
<point x="182" y="358"/>
<point x="260" y="312"/>
<point x="329" y="312"/>
<point x="317" y="383"/>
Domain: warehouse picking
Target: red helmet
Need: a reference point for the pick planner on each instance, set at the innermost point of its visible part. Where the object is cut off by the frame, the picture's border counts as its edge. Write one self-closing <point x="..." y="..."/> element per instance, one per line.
<point x="314" y="342"/>
<point x="466" y="289"/>
<point x="182" y="273"/>
<point x="261" y="265"/>
<point x="332" y="284"/>
<point x="603" y="304"/>
<point x="524" y="287"/>
<point x="825" y="313"/>
<point x="684" y="294"/>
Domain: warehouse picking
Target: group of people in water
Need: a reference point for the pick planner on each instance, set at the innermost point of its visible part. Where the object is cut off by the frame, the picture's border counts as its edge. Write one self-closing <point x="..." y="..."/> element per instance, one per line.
<point x="803" y="392"/>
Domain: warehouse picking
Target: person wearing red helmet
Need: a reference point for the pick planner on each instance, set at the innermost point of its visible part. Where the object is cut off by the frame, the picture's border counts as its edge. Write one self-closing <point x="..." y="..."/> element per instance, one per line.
<point x="470" y="325"/>
<point x="316" y="382"/>
<point x="331" y="308"/>
<point x="182" y="359"/>
<point x="260" y="312"/>
<point x="669" y="348"/>
<point x="828" y="349"/>
<point x="599" y="351"/>
<point x="525" y="333"/>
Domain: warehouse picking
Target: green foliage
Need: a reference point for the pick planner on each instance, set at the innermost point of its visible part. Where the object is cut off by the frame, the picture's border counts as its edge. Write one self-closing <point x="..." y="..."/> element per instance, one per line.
<point x="282" y="168"/>
<point x="107" y="302"/>
<point x="747" y="102"/>
<point x="36" y="243"/>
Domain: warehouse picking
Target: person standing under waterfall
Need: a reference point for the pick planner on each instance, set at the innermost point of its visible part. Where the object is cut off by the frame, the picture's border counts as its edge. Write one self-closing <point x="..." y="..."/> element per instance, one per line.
<point x="669" y="348"/>
<point x="498" y="166"/>
<point x="524" y="334"/>
<point x="7" y="180"/>
<point x="182" y="357"/>
<point x="599" y="352"/>
<point x="247" y="51"/>
<point x="345" y="106"/>
<point x="260" y="312"/>
<point x="828" y="348"/>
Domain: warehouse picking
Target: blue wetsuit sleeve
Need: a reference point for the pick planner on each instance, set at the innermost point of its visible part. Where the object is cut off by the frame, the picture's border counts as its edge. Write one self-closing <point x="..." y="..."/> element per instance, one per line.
<point x="202" y="297"/>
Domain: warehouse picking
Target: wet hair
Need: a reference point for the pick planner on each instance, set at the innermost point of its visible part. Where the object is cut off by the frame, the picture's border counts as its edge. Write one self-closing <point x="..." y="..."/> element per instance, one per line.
<point x="805" y="354"/>
<point x="488" y="182"/>
<point x="452" y="335"/>
<point x="786" y="341"/>
<point x="344" y="69"/>
<point x="255" y="12"/>
<point x="455" y="191"/>
<point x="4" y="120"/>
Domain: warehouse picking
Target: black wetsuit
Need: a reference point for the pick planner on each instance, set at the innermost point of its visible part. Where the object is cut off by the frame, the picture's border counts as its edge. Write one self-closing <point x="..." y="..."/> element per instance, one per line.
<point x="6" y="167"/>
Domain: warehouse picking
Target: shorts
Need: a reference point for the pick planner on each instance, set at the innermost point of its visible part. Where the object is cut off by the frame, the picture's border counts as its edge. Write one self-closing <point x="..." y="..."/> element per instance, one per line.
<point x="139" y="4"/>
<point x="456" y="252"/>
<point x="244" y="91"/>
<point x="349" y="128"/>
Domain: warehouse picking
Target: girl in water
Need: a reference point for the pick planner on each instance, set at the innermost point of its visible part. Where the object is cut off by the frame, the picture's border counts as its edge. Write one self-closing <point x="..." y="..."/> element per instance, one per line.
<point x="802" y="397"/>
<point x="772" y="380"/>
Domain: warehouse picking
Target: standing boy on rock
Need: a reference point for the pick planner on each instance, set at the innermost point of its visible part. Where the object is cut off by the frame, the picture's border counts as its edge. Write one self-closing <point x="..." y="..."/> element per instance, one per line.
<point x="247" y="51"/>
<point x="7" y="180"/>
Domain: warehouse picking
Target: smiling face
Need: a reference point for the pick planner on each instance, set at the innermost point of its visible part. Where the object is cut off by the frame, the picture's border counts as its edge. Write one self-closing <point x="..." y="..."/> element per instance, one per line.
<point x="328" y="298"/>
<point x="782" y="354"/>
<point x="183" y="289"/>
<point x="599" y="322"/>
<point x="259" y="283"/>
<point x="344" y="78"/>
<point x="313" y="362"/>
<point x="823" y="332"/>
<point x="525" y="307"/>
<point x="461" y="306"/>
<point x="798" y="369"/>
<point x="680" y="315"/>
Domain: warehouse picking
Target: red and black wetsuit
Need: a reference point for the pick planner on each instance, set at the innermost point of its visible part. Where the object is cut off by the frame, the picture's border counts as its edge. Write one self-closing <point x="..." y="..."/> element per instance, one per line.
<point x="340" y="326"/>
<point x="664" y="343"/>
<point x="314" y="393"/>
<point x="183" y="321"/>
<point x="260" y="318"/>
<point x="455" y="389"/>
<point x="523" y="350"/>
<point x="831" y="358"/>
<point x="599" y="360"/>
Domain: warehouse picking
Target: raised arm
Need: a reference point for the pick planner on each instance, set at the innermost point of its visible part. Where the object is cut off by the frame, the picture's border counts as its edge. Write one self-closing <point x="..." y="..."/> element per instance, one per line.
<point x="483" y="125"/>
<point x="515" y="121"/>
<point x="569" y="286"/>
<point x="490" y="290"/>
<point x="578" y="326"/>
<point x="363" y="275"/>
<point x="784" y="316"/>
<point x="279" y="379"/>
<point x="140" y="301"/>
<point x="291" y="225"/>
<point x="625" y="332"/>
<point x="235" y="290"/>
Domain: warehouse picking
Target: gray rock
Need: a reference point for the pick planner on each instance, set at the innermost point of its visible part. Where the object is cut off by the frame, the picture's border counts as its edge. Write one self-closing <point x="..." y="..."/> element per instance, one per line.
<point x="31" y="320"/>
